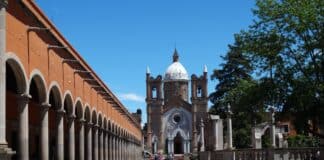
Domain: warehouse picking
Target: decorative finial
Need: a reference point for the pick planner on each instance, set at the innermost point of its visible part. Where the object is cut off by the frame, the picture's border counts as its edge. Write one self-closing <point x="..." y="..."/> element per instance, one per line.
<point x="205" y="69"/>
<point x="148" y="70"/>
<point x="175" y="55"/>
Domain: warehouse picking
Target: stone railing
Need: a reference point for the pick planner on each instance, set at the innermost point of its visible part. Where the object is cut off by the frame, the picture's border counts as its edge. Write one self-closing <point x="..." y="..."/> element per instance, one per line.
<point x="265" y="154"/>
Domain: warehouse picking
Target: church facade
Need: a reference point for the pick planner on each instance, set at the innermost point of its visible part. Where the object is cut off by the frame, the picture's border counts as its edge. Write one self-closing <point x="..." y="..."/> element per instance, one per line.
<point x="173" y="118"/>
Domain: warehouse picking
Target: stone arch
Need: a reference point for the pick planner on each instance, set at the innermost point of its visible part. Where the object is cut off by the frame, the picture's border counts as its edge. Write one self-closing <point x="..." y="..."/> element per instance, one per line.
<point x="14" y="65"/>
<point x="100" y="120"/>
<point x="94" y="117"/>
<point x="181" y="132"/>
<point x="105" y="123"/>
<point x="37" y="84"/>
<point x="38" y="91"/>
<point x="79" y="113"/>
<point x="68" y="103"/>
<point x="56" y="121"/>
<point x="113" y="127"/>
<point x="55" y="92"/>
<point x="16" y="89"/>
<point x="118" y="130"/>
<point x="87" y="114"/>
<point x="109" y="126"/>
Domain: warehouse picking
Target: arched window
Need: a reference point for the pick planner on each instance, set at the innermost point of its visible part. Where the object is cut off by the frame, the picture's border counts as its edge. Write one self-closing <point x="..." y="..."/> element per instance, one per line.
<point x="154" y="93"/>
<point x="199" y="92"/>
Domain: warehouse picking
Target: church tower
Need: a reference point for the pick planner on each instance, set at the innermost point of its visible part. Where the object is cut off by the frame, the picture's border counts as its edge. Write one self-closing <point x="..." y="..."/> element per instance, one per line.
<point x="172" y="118"/>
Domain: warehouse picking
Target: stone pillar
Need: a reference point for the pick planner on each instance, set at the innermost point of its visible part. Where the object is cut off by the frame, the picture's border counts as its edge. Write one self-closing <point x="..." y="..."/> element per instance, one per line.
<point x="44" y="131"/>
<point x="110" y="147"/>
<point x="172" y="146"/>
<point x="71" y="137"/>
<point x="5" y="152"/>
<point x="273" y="128"/>
<point x="114" y="148"/>
<point x="81" y="139"/>
<point x="3" y="11"/>
<point x="89" y="141"/>
<point x="106" y="149"/>
<point x="169" y="145"/>
<point x="60" y="135"/>
<point x="229" y="128"/>
<point x="202" y="136"/>
<point x="215" y="137"/>
<point x="23" y="150"/>
<point x="96" y="144"/>
<point x="184" y="146"/>
<point x="118" y="149"/>
<point x="101" y="144"/>
<point x="194" y="132"/>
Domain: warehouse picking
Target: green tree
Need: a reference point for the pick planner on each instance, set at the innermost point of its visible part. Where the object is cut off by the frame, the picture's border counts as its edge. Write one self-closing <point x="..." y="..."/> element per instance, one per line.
<point x="283" y="50"/>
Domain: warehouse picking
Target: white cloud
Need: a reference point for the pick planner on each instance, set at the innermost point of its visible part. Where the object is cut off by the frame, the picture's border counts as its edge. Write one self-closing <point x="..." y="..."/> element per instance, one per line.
<point x="131" y="97"/>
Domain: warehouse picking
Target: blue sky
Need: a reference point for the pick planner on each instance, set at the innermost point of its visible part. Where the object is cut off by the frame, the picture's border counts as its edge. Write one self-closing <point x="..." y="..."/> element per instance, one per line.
<point x="119" y="38"/>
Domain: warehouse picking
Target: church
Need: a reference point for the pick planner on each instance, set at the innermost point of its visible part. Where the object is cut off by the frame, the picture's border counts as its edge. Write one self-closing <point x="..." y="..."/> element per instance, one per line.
<point x="174" y="118"/>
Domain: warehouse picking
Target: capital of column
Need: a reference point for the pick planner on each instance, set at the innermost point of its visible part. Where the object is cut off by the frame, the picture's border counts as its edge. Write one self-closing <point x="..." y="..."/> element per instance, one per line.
<point x="24" y="97"/>
<point x="61" y="112"/>
<point x="96" y="126"/>
<point x="82" y="121"/>
<point x="71" y="117"/>
<point x="3" y="3"/>
<point x="45" y="106"/>
<point x="89" y="124"/>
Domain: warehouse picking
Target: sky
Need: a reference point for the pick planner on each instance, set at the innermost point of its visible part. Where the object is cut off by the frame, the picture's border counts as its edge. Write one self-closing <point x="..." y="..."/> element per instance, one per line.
<point x="120" y="38"/>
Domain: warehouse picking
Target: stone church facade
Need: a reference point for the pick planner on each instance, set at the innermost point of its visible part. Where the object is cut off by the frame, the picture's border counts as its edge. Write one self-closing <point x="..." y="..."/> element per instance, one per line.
<point x="173" y="118"/>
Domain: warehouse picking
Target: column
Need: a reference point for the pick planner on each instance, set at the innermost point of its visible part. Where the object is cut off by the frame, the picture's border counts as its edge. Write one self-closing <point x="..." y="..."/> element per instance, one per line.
<point x="81" y="139"/>
<point x="202" y="136"/>
<point x="3" y="142"/>
<point x="89" y="141"/>
<point x="194" y="132"/>
<point x="214" y="119"/>
<point x="44" y="131"/>
<point x="101" y="143"/>
<point x="117" y="149"/>
<point x="60" y="135"/>
<point x="96" y="145"/>
<point x="172" y="146"/>
<point x="110" y="147"/>
<point x="184" y="146"/>
<point x="106" y="150"/>
<point x="215" y="134"/>
<point x="23" y="150"/>
<point x="273" y="128"/>
<point x="71" y="137"/>
<point x="229" y="126"/>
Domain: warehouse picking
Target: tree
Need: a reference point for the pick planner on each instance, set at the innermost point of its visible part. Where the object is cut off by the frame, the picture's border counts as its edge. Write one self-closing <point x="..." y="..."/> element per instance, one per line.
<point x="283" y="50"/>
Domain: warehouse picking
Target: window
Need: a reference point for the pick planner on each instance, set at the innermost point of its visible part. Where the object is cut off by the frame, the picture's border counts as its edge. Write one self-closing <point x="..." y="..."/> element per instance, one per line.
<point x="176" y="118"/>
<point x="199" y="92"/>
<point x="154" y="93"/>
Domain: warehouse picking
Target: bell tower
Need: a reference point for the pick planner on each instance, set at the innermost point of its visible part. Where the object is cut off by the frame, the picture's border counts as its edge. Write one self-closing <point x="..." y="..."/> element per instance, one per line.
<point x="154" y="101"/>
<point x="199" y="100"/>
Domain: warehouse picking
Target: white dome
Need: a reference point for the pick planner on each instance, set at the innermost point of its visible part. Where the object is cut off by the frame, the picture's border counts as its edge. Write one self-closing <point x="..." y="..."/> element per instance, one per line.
<point x="176" y="72"/>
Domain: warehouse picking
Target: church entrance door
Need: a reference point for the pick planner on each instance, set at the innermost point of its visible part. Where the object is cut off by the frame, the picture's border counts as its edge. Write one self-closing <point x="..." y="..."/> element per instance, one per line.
<point x="178" y="144"/>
